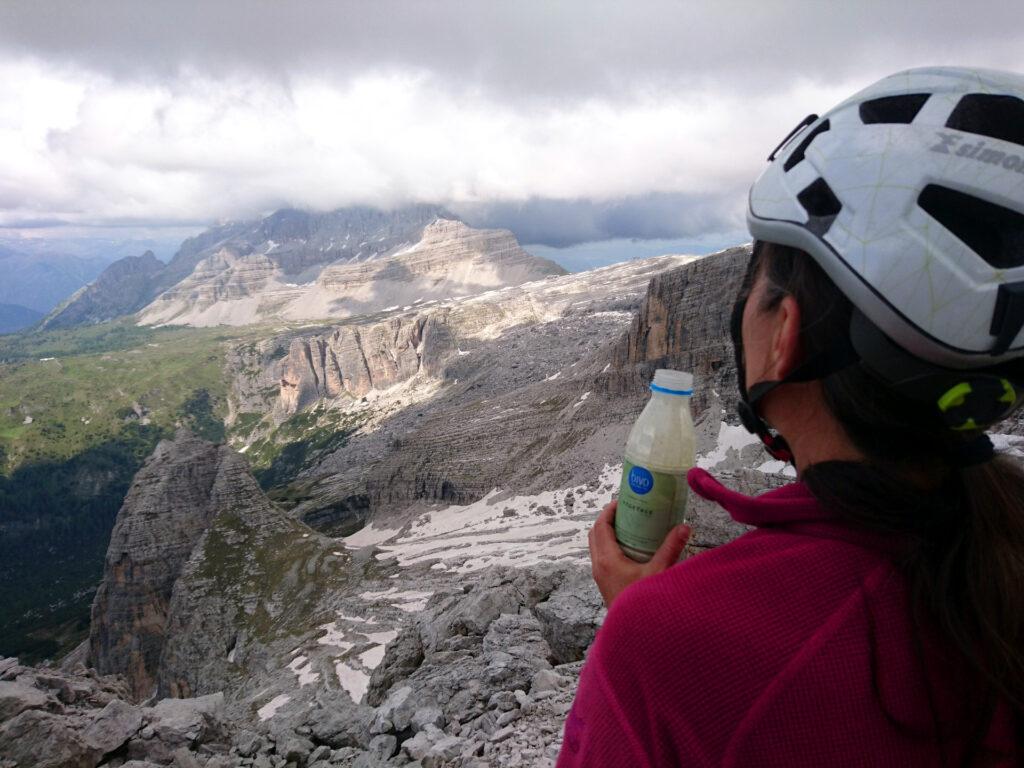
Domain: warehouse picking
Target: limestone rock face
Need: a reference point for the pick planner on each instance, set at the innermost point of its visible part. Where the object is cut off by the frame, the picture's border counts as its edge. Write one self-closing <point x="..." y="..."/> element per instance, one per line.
<point x="253" y="575"/>
<point x="683" y="323"/>
<point x="200" y="565"/>
<point x="451" y="259"/>
<point x="166" y="511"/>
<point x="355" y="359"/>
<point x="235" y="260"/>
<point x="503" y="369"/>
<point x="296" y="266"/>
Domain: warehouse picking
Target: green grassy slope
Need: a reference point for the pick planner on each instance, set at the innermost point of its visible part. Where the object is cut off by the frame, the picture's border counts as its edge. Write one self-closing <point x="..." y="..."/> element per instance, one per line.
<point x="73" y="431"/>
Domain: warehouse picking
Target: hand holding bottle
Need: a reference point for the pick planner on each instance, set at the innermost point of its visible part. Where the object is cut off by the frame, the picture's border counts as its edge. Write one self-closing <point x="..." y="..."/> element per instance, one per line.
<point x="612" y="570"/>
<point x="659" y="453"/>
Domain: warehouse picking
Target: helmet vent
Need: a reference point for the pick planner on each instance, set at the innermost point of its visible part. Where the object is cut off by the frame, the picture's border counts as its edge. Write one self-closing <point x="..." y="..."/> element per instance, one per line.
<point x="892" y="109"/>
<point x="986" y="114"/>
<point x="798" y="153"/>
<point x="993" y="232"/>
<point x="821" y="204"/>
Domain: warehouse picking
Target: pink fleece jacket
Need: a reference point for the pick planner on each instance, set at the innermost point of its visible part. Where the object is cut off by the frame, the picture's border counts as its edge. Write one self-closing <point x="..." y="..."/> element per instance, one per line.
<point x="790" y="646"/>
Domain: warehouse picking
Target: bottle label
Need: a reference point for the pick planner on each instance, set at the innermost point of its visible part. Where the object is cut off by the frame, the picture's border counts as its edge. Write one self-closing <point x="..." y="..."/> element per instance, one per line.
<point x="650" y="504"/>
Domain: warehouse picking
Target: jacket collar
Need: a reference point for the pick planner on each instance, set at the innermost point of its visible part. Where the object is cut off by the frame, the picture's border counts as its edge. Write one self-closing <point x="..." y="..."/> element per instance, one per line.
<point x="792" y="507"/>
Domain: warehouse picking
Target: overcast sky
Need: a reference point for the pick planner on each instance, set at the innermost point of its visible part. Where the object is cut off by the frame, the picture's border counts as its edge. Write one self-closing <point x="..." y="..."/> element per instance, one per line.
<point x="565" y="121"/>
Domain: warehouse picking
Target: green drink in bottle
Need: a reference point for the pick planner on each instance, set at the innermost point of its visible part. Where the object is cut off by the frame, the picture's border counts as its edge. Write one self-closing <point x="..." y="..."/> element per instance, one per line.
<point x="659" y="453"/>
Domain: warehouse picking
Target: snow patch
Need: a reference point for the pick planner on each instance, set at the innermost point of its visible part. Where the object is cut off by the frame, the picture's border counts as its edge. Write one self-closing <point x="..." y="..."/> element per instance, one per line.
<point x="361" y="619"/>
<point x="334" y="637"/>
<point x="778" y="468"/>
<point x="500" y="530"/>
<point x="382" y="638"/>
<point x="303" y="670"/>
<point x="368" y="535"/>
<point x="729" y="437"/>
<point x="372" y="658"/>
<point x="354" y="681"/>
<point x="269" y="709"/>
<point x="411" y="602"/>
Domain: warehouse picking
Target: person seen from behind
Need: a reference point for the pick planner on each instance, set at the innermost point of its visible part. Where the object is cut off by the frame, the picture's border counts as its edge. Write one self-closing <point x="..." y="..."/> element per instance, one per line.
<point x="874" y="616"/>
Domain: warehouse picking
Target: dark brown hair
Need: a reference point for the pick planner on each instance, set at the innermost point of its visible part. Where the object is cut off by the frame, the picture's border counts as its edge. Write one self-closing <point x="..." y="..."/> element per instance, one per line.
<point x="965" y="525"/>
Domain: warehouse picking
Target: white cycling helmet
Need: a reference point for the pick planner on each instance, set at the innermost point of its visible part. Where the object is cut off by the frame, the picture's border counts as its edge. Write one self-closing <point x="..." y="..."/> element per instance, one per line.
<point x="910" y="195"/>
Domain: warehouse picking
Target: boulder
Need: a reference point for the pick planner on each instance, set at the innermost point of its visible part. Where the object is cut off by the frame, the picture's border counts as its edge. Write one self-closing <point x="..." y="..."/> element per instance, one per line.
<point x="176" y="723"/>
<point x="425" y="716"/>
<point x="383" y="746"/>
<point x="16" y="697"/>
<point x="37" y="739"/>
<point x="115" y="724"/>
<point x="571" y="615"/>
<point x="341" y="725"/>
<point x="398" y="708"/>
<point x="403" y="656"/>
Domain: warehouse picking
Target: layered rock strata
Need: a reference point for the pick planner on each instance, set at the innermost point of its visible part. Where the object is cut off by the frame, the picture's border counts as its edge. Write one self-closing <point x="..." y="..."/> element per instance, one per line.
<point x="165" y="513"/>
<point x="525" y="420"/>
<point x="444" y="258"/>
<point x="503" y="373"/>
<point x="238" y="259"/>
<point x="683" y="324"/>
<point x="200" y="567"/>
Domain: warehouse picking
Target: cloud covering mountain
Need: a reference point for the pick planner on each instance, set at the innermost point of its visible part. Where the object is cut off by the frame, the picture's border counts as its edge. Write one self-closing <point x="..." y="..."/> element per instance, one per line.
<point x="565" y="122"/>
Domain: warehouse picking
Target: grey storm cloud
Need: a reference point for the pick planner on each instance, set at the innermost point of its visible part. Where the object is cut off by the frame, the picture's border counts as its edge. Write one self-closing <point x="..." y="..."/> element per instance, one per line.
<point x="526" y="48"/>
<point x="565" y="121"/>
<point x="560" y="223"/>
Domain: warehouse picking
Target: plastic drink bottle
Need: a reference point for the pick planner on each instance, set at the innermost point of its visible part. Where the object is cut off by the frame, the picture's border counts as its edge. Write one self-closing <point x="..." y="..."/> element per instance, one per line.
<point x="659" y="452"/>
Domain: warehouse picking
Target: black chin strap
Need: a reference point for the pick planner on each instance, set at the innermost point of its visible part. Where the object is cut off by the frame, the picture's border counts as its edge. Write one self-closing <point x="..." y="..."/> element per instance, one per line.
<point x="837" y="357"/>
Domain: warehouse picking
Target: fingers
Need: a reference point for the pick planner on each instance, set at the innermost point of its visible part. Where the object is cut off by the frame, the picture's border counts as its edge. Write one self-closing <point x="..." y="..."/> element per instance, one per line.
<point x="607" y="515"/>
<point x="602" y="532"/>
<point x="670" y="549"/>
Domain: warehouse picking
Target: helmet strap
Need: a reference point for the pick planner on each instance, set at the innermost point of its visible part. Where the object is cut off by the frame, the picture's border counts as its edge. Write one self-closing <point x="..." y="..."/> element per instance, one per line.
<point x="838" y="356"/>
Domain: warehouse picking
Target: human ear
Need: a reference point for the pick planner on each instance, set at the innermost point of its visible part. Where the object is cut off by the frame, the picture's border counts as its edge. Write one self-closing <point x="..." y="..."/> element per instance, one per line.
<point x="785" y="346"/>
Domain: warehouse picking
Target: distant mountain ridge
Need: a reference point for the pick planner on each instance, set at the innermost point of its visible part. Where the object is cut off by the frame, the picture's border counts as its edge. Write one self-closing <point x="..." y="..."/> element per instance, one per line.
<point x="298" y="265"/>
<point x="39" y="281"/>
<point x="124" y="287"/>
<point x="14" y="317"/>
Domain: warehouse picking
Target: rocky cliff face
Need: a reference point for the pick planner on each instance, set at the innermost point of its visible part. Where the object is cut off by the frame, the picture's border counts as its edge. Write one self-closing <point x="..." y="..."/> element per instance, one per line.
<point x="557" y="433"/>
<point x="124" y="287"/>
<point x="683" y="324"/>
<point x="166" y="511"/>
<point x="199" y="564"/>
<point x="450" y="259"/>
<point x="353" y="360"/>
<point x="295" y="244"/>
<point x="254" y="576"/>
<point x="290" y="648"/>
<point x="240" y="284"/>
<point x="498" y="376"/>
